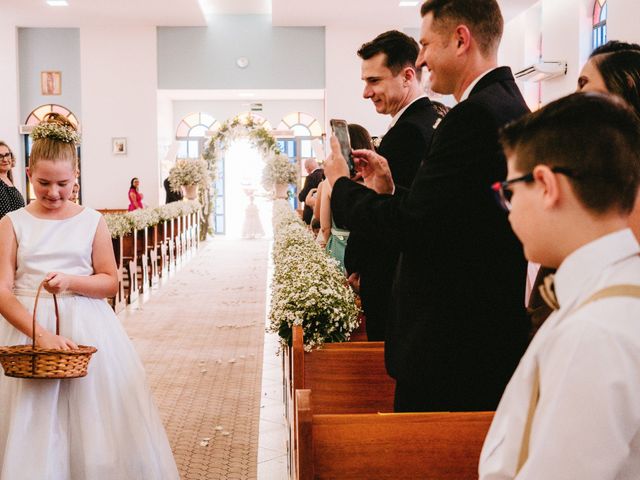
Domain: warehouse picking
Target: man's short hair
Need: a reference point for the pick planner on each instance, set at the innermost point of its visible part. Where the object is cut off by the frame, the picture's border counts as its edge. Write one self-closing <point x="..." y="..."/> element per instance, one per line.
<point x="400" y="49"/>
<point x="482" y="17"/>
<point x="595" y="136"/>
<point x="614" y="46"/>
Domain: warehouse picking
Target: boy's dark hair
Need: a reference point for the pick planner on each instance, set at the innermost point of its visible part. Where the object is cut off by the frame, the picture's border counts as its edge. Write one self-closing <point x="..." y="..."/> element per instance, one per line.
<point x="595" y="136"/>
<point x="482" y="17"/>
<point x="400" y="49"/>
<point x="614" y="46"/>
<point x="620" y="71"/>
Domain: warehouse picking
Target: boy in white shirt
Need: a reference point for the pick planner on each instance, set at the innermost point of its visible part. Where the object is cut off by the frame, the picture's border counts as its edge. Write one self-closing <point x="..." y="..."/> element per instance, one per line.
<point x="572" y="408"/>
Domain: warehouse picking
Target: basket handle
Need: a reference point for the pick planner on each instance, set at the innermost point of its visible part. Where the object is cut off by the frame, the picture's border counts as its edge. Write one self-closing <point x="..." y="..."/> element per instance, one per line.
<point x="35" y="308"/>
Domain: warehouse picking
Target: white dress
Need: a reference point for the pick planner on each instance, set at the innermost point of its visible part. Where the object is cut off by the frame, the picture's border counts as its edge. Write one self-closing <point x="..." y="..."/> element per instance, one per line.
<point x="104" y="426"/>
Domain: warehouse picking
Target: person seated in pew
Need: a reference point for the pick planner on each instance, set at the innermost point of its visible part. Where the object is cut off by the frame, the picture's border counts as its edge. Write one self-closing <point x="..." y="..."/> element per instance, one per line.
<point x="572" y="408"/>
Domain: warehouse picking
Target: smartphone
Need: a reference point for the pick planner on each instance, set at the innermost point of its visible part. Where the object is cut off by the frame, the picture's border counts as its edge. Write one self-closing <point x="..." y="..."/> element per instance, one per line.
<point x="340" y="130"/>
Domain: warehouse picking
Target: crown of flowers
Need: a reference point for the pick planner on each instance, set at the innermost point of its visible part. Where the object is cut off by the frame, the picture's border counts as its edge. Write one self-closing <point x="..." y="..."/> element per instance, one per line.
<point x="55" y="131"/>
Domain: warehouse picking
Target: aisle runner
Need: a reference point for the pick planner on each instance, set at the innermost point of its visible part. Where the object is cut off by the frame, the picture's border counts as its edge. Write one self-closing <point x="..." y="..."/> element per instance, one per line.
<point x="201" y="339"/>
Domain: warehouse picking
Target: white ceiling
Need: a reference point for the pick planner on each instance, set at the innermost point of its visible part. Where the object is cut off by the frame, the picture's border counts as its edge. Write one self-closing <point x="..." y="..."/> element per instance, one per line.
<point x="36" y="13"/>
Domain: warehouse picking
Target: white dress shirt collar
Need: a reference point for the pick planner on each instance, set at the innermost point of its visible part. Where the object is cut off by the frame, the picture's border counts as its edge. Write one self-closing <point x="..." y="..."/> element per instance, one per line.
<point x="395" y="118"/>
<point x="590" y="260"/>
<point x="467" y="91"/>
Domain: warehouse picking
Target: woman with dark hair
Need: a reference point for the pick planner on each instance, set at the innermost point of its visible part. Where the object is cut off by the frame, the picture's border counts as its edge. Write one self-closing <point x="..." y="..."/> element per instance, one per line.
<point x="10" y="197"/>
<point x="135" y="197"/>
<point x="333" y="237"/>
<point x="615" y="72"/>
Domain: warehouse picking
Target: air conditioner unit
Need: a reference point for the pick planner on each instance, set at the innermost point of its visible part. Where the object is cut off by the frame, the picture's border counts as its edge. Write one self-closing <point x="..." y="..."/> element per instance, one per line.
<point x="26" y="129"/>
<point x="542" y="71"/>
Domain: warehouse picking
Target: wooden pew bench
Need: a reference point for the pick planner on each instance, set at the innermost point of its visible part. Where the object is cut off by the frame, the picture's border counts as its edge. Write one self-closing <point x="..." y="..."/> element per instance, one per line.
<point x="442" y="446"/>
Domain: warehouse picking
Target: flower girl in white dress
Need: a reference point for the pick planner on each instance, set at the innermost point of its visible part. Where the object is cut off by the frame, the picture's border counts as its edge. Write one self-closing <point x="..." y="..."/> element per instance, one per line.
<point x="104" y="426"/>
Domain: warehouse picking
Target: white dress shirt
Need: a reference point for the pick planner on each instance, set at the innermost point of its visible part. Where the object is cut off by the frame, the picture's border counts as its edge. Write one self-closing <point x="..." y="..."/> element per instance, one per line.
<point x="587" y="422"/>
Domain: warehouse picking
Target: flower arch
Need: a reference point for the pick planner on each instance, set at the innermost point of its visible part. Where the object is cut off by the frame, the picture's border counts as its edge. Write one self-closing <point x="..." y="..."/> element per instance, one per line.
<point x="244" y="126"/>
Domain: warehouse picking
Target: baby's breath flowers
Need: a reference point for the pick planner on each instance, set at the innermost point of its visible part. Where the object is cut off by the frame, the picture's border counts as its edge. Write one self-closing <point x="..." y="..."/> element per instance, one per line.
<point x="56" y="132"/>
<point x="308" y="287"/>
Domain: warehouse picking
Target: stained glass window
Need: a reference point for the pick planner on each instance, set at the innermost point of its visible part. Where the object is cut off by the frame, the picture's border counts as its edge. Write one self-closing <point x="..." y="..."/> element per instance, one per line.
<point x="599" y="33"/>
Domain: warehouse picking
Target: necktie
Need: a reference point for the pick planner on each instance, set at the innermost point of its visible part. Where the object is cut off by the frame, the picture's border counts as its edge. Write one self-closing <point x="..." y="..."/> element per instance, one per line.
<point x="548" y="293"/>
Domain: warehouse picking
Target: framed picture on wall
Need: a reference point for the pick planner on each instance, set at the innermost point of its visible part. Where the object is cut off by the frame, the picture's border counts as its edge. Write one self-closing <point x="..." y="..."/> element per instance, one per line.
<point x="119" y="146"/>
<point x="51" y="83"/>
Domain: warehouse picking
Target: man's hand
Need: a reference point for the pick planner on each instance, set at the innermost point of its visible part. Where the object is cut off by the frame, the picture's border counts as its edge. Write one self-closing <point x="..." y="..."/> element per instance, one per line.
<point x="354" y="281"/>
<point x="375" y="171"/>
<point x="335" y="165"/>
<point x="310" y="199"/>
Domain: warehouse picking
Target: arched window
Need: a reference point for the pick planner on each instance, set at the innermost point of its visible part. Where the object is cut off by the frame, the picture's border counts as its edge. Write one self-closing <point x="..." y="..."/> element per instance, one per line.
<point x="36" y="116"/>
<point x="257" y="119"/>
<point x="33" y="119"/>
<point x="191" y="133"/>
<point x="599" y="33"/>
<point x="302" y="124"/>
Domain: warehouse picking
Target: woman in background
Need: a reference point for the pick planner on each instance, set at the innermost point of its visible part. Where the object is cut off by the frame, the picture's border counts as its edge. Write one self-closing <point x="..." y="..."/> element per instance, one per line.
<point x="10" y="197"/>
<point x="135" y="197"/>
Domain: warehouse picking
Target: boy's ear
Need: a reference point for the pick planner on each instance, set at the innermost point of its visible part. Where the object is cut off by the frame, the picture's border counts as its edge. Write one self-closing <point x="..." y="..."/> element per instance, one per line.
<point x="548" y="181"/>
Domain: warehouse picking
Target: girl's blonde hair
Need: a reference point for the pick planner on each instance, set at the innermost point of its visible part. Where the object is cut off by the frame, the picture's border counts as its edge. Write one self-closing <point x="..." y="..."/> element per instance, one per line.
<point x="54" y="139"/>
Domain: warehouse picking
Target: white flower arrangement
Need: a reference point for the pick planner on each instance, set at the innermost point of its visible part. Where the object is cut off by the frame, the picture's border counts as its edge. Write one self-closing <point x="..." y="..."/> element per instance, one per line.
<point x="278" y="169"/>
<point x="119" y="224"/>
<point x="144" y="217"/>
<point x="189" y="171"/>
<point x="308" y="287"/>
<point x="55" y="131"/>
<point x="124" y="223"/>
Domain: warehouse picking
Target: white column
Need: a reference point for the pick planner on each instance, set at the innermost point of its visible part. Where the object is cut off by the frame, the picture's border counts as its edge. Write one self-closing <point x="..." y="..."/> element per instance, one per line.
<point x="10" y="99"/>
<point x="119" y="84"/>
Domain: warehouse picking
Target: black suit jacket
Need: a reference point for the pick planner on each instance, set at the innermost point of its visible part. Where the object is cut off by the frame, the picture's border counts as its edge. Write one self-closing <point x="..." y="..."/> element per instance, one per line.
<point x="404" y="146"/>
<point x="171" y="196"/>
<point x="459" y="326"/>
<point x="311" y="181"/>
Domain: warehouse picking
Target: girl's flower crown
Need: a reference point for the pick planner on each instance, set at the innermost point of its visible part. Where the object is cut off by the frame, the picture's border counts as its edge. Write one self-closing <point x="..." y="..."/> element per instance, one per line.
<point x="55" y="131"/>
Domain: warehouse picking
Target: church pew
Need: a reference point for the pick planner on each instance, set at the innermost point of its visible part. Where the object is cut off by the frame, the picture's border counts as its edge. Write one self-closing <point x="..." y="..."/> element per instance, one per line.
<point x="118" y="301"/>
<point x="142" y="255"/>
<point x="153" y="237"/>
<point x="443" y="446"/>
<point x="130" y="261"/>
<point x="348" y="377"/>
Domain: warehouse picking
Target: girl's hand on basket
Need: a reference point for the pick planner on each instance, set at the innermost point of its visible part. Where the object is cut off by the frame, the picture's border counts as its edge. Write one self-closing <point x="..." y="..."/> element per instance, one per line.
<point x="56" y="282"/>
<point x="46" y="339"/>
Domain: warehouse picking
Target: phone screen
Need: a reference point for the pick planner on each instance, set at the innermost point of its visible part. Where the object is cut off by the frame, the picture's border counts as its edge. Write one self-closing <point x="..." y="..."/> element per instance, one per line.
<point x="341" y="132"/>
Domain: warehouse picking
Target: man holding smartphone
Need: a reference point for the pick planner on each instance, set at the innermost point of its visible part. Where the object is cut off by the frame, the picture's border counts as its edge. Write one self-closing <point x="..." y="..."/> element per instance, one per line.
<point x="459" y="326"/>
<point x="392" y="83"/>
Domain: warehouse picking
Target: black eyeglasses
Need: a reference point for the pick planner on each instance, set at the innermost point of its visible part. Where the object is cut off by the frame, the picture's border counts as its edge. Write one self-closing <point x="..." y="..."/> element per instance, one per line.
<point x="6" y="155"/>
<point x="504" y="192"/>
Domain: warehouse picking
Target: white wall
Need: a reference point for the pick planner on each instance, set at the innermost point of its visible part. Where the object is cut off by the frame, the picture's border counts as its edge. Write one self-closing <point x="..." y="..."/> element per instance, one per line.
<point x="9" y="99"/>
<point x="119" y="83"/>
<point x="343" y="84"/>
<point x="622" y="21"/>
<point x="520" y="47"/>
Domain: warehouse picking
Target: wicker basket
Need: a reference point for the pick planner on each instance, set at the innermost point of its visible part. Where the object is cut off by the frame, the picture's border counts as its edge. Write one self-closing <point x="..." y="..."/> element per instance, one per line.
<point x="29" y="361"/>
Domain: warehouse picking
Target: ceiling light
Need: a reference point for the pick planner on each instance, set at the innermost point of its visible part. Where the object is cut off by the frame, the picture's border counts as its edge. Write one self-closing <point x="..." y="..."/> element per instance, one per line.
<point x="57" y="3"/>
<point x="408" y="3"/>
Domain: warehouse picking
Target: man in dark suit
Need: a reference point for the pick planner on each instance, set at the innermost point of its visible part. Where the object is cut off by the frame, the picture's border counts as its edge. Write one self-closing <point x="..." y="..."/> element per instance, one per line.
<point x="171" y="196"/>
<point x="314" y="176"/>
<point x="393" y="85"/>
<point x="459" y="326"/>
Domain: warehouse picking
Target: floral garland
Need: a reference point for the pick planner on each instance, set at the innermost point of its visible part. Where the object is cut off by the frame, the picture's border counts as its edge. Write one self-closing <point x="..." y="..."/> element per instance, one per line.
<point x="229" y="131"/>
<point x="120" y="224"/>
<point x="308" y="287"/>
